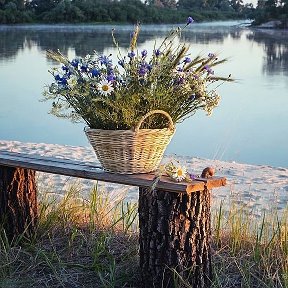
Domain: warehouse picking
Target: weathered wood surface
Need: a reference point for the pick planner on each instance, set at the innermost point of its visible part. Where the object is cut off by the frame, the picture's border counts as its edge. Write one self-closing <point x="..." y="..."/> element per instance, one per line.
<point x="174" y="238"/>
<point x="18" y="201"/>
<point x="90" y="171"/>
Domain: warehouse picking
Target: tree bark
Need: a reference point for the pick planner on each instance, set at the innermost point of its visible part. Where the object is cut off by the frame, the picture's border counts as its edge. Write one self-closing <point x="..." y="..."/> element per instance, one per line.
<point x="175" y="234"/>
<point x="18" y="201"/>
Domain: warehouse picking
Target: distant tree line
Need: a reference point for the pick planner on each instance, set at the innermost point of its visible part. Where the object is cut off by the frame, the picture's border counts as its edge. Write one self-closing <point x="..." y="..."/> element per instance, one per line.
<point x="131" y="11"/>
<point x="268" y="10"/>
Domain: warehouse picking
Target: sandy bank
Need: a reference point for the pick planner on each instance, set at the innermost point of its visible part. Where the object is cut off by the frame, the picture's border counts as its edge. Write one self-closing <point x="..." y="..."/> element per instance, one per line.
<point x="257" y="187"/>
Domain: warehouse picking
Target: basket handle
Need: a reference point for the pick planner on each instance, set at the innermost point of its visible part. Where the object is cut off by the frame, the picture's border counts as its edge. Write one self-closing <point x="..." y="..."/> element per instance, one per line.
<point x="171" y="124"/>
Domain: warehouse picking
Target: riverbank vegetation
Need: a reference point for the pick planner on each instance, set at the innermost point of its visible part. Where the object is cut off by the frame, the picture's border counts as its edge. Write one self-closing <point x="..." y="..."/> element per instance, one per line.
<point x="148" y="11"/>
<point x="122" y="11"/>
<point x="275" y="11"/>
<point x="93" y="242"/>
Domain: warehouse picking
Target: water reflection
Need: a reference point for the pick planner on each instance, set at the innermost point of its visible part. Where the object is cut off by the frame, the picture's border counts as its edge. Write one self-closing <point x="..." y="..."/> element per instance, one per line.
<point x="10" y="44"/>
<point x="205" y="37"/>
<point x="78" y="38"/>
<point x="84" y="39"/>
<point x="275" y="45"/>
<point x="13" y="40"/>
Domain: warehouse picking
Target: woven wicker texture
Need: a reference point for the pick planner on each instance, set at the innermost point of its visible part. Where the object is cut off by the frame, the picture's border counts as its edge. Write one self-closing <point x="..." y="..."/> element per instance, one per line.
<point x="131" y="151"/>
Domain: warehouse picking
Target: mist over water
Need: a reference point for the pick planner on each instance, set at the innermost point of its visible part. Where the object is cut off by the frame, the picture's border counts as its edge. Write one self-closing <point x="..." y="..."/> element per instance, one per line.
<point x="250" y="124"/>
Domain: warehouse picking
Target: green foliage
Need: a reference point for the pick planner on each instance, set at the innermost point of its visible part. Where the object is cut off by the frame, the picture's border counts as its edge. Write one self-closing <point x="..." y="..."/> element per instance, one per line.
<point x="271" y="10"/>
<point x="117" y="97"/>
<point x="154" y="11"/>
<point x="14" y="12"/>
<point x="64" y="11"/>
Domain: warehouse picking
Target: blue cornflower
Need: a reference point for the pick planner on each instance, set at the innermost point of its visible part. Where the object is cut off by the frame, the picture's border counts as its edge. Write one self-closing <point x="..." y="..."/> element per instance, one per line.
<point x="180" y="81"/>
<point x="142" y="70"/>
<point x="60" y="80"/>
<point x="131" y="54"/>
<point x="157" y="52"/>
<point x="84" y="67"/>
<point x="192" y="176"/>
<point x="110" y="77"/>
<point x="190" y="20"/>
<point x="110" y="70"/>
<point x="144" y="53"/>
<point x="208" y="69"/>
<point x="57" y="77"/>
<point x="187" y="60"/>
<point x="75" y="63"/>
<point x="63" y="81"/>
<point x="149" y="66"/>
<point x="65" y="68"/>
<point x="121" y="62"/>
<point x="104" y="60"/>
<point x="95" y="72"/>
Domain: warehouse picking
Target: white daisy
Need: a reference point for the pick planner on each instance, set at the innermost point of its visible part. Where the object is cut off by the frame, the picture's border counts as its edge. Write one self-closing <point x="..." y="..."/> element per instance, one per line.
<point x="179" y="173"/>
<point x="72" y="81"/>
<point x="105" y="87"/>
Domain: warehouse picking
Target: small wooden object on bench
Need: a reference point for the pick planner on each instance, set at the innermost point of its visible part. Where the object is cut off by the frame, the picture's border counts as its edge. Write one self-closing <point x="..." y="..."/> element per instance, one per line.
<point x="174" y="218"/>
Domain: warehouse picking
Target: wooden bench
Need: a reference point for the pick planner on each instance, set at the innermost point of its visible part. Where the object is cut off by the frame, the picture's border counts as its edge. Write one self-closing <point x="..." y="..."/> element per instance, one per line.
<point x="174" y="218"/>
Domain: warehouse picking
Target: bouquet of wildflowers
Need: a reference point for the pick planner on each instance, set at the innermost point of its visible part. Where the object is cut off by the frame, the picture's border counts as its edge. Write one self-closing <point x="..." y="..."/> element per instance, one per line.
<point x="108" y="96"/>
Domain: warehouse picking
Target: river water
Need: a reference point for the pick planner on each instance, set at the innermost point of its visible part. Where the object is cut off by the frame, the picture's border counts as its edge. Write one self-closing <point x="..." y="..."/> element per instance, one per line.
<point x="250" y="125"/>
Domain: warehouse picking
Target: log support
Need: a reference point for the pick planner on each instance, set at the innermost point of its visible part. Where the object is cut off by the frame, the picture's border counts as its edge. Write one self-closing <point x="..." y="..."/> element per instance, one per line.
<point x="175" y="232"/>
<point x="18" y="201"/>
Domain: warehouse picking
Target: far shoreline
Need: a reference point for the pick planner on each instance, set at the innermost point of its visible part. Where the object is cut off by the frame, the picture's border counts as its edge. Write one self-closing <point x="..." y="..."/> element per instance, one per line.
<point x="271" y="24"/>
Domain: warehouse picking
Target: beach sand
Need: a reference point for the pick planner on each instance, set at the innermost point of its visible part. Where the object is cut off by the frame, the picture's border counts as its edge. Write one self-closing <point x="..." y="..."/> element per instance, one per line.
<point x="257" y="188"/>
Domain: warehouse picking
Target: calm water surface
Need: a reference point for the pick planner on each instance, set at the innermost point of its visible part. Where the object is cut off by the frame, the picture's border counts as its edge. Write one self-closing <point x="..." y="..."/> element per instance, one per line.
<point x="250" y="125"/>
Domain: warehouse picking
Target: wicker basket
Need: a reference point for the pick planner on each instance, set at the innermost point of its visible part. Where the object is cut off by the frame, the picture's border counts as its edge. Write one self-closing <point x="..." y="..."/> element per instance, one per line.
<point x="131" y="151"/>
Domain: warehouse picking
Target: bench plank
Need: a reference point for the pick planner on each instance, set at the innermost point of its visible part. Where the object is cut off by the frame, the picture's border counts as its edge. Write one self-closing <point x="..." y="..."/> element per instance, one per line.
<point x="93" y="171"/>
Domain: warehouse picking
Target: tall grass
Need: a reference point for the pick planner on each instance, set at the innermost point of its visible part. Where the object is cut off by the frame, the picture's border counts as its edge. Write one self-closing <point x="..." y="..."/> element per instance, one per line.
<point x="93" y="242"/>
<point x="249" y="252"/>
<point x="79" y="243"/>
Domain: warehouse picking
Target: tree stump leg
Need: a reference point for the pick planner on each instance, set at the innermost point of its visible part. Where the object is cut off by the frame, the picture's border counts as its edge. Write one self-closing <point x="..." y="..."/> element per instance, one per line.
<point x="175" y="233"/>
<point x="18" y="201"/>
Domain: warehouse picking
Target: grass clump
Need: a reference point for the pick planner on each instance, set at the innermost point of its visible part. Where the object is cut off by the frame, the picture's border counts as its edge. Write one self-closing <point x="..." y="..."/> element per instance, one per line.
<point x="249" y="252"/>
<point x="79" y="243"/>
<point x="94" y="243"/>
